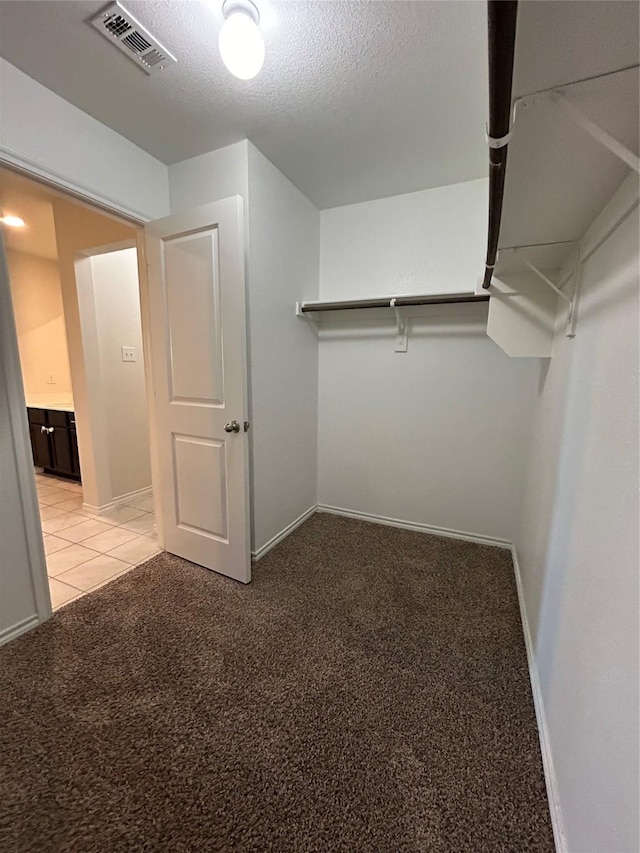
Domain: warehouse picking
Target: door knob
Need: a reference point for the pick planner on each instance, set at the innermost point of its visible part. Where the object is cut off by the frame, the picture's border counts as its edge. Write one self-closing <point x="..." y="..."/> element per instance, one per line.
<point x="46" y="430"/>
<point x="232" y="426"/>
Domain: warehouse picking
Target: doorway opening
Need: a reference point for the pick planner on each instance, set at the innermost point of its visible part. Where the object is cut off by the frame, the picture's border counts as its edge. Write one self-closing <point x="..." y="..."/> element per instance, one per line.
<point x="73" y="273"/>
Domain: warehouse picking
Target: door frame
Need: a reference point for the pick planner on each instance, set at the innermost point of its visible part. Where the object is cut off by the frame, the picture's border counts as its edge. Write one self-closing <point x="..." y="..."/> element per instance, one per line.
<point x="19" y="424"/>
<point x="15" y="389"/>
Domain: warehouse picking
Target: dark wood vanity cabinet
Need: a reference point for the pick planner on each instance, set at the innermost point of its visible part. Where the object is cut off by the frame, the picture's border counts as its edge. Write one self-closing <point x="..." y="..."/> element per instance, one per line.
<point x="54" y="441"/>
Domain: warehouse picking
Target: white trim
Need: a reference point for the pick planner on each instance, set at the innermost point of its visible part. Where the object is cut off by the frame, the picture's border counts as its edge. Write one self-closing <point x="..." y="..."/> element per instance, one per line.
<point x="123" y="499"/>
<point x="13" y="631"/>
<point x="17" y="416"/>
<point x="31" y="168"/>
<point x="147" y="492"/>
<point x="145" y="320"/>
<point x="543" y="733"/>
<point x="98" y="510"/>
<point x="275" y="540"/>
<point x="417" y="526"/>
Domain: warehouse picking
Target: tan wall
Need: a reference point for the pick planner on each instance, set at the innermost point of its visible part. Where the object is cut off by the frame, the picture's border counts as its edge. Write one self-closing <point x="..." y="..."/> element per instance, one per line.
<point x="78" y="230"/>
<point x="42" y="337"/>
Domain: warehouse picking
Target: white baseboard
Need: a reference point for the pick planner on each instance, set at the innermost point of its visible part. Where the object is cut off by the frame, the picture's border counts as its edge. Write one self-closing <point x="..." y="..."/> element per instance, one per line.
<point x="275" y="540"/>
<point x="133" y="496"/>
<point x="119" y="501"/>
<point x="417" y="526"/>
<point x="13" y="631"/>
<point x="378" y="519"/>
<point x="543" y="732"/>
<point x="98" y="510"/>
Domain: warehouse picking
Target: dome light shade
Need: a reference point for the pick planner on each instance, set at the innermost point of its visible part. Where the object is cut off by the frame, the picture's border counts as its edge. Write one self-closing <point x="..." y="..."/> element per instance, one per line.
<point x="240" y="41"/>
<point x="12" y="221"/>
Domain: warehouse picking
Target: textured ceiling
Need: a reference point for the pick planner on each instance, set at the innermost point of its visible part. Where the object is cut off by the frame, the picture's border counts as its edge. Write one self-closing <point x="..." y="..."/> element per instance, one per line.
<point x="29" y="201"/>
<point x="356" y="100"/>
<point x="558" y="177"/>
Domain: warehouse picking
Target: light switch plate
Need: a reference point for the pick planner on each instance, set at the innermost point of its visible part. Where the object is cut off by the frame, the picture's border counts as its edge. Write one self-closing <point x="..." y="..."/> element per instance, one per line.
<point x="128" y="353"/>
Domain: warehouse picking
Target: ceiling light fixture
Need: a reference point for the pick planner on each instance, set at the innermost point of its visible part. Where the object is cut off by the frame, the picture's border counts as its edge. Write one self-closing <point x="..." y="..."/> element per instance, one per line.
<point x="240" y="41"/>
<point x="12" y="221"/>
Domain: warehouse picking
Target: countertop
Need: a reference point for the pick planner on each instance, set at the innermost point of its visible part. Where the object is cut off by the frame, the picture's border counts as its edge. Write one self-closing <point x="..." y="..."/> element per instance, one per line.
<point x="56" y="405"/>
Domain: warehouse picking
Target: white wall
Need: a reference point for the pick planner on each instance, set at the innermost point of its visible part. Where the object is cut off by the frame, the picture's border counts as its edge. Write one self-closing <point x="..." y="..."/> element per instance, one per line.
<point x="282" y="240"/>
<point x="434" y="436"/>
<point x="284" y="229"/>
<point x="209" y="177"/>
<point x="46" y="134"/>
<point x="577" y="548"/>
<point x="116" y="303"/>
<point x="422" y="242"/>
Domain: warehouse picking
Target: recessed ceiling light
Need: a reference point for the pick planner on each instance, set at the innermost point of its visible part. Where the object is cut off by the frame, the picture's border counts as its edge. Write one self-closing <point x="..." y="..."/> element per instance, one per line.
<point x="12" y="221"/>
<point x="240" y="41"/>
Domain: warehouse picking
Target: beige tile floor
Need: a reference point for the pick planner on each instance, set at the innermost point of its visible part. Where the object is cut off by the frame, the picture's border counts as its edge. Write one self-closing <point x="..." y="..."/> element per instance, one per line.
<point x="85" y="551"/>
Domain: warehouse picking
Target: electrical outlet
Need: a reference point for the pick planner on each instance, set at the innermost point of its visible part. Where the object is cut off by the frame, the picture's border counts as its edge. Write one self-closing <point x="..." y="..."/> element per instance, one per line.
<point x="128" y="353"/>
<point x="50" y="379"/>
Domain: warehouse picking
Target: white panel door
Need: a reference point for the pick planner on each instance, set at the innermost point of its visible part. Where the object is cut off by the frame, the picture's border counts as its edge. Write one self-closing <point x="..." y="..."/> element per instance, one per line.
<point x="198" y="353"/>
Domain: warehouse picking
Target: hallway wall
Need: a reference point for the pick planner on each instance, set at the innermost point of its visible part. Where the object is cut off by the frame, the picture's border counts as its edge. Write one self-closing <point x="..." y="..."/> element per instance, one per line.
<point x="42" y="336"/>
<point x="116" y="301"/>
<point x="79" y="229"/>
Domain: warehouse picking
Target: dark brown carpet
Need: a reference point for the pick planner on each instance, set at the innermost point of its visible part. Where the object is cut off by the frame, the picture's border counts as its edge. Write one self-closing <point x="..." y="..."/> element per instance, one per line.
<point x="367" y="692"/>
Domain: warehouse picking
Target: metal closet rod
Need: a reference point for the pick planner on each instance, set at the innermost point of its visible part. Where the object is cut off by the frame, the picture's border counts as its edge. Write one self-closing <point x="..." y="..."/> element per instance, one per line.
<point x="392" y="302"/>
<point x="502" y="16"/>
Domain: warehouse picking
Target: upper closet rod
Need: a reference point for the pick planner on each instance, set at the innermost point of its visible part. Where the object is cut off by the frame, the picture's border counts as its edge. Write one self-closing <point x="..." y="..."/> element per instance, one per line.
<point x="391" y="302"/>
<point x="502" y="38"/>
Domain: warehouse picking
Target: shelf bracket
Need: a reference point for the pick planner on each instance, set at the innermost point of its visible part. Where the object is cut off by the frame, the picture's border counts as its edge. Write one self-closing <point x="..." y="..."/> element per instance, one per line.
<point x="569" y="302"/>
<point x="575" y="300"/>
<point x="305" y="315"/>
<point x="557" y="94"/>
<point x="594" y="130"/>
<point x="401" y="327"/>
<point x="546" y="280"/>
<point x="312" y="321"/>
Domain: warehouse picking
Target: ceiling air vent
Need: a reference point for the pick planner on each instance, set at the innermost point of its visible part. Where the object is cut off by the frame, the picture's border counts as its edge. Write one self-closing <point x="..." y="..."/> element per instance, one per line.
<point x="122" y="29"/>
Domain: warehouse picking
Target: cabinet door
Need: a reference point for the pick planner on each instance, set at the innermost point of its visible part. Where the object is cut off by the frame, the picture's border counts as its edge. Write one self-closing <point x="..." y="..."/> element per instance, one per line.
<point x="62" y="455"/>
<point x="40" y="446"/>
<point x="37" y="416"/>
